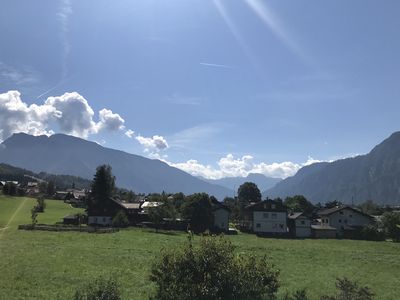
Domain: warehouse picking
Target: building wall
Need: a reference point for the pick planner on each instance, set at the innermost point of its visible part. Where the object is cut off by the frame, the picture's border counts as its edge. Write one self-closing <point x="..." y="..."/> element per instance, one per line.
<point x="99" y="220"/>
<point x="303" y="227"/>
<point x="269" y="222"/>
<point x="221" y="219"/>
<point x="324" y="234"/>
<point x="347" y="217"/>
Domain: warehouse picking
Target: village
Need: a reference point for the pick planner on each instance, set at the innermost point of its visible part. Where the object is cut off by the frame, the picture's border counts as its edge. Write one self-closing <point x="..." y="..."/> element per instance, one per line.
<point x="268" y="218"/>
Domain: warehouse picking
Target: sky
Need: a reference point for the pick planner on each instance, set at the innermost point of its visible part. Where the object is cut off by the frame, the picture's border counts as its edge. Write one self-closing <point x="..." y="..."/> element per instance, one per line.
<point x="215" y="87"/>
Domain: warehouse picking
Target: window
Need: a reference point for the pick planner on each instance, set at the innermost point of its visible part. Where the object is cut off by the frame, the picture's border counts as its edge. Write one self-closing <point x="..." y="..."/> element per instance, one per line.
<point x="341" y="212"/>
<point x="273" y="206"/>
<point x="258" y="225"/>
<point x="340" y="220"/>
<point x="350" y="216"/>
<point x="274" y="216"/>
<point x="265" y="215"/>
<point x="302" y="222"/>
<point x="323" y="220"/>
<point x="281" y="226"/>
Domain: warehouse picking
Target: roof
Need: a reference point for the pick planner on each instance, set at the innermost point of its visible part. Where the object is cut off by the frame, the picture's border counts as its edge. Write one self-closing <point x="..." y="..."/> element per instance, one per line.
<point x="324" y="227"/>
<point x="135" y="205"/>
<point x="267" y="205"/>
<point x="330" y="211"/>
<point x="295" y="215"/>
<point x="218" y="205"/>
<point x="150" y="204"/>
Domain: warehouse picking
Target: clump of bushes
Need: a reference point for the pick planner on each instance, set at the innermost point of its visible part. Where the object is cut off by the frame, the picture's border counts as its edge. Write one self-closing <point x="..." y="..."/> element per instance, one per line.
<point x="120" y="220"/>
<point x="350" y="290"/>
<point x="212" y="270"/>
<point x="99" y="289"/>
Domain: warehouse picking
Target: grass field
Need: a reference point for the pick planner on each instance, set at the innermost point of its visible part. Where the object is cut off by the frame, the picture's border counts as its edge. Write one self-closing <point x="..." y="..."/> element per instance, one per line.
<point x="51" y="265"/>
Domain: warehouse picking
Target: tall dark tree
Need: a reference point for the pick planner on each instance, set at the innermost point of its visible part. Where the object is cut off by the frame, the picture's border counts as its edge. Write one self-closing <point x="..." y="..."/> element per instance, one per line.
<point x="198" y="209"/>
<point x="249" y="192"/>
<point x="103" y="189"/>
<point x="51" y="189"/>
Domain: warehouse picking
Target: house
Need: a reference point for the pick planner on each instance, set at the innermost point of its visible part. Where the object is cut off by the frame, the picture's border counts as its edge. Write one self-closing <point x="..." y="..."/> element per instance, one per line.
<point x="299" y="225"/>
<point x="342" y="219"/>
<point x="221" y="215"/>
<point x="266" y="217"/>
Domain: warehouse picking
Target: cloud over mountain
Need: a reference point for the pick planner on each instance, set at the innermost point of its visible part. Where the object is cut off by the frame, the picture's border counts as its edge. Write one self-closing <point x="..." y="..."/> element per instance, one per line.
<point x="70" y="113"/>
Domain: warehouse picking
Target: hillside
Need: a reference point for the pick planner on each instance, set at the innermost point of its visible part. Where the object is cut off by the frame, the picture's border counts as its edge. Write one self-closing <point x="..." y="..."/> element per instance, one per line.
<point x="263" y="182"/>
<point x="374" y="176"/>
<point x="63" y="154"/>
<point x="11" y="173"/>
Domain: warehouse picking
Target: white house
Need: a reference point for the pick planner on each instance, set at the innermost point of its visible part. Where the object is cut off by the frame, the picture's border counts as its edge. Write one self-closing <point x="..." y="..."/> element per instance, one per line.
<point x="268" y="216"/>
<point x="343" y="218"/>
<point x="299" y="225"/>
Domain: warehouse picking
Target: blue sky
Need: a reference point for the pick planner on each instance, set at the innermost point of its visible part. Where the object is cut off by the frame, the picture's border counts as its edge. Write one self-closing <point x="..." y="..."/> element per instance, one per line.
<point x="217" y="88"/>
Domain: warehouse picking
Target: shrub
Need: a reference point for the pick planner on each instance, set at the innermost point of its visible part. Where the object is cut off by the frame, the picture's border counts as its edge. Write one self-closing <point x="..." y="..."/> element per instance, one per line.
<point x="349" y="290"/>
<point x="297" y="295"/>
<point x="212" y="270"/>
<point x="99" y="289"/>
<point x="120" y="220"/>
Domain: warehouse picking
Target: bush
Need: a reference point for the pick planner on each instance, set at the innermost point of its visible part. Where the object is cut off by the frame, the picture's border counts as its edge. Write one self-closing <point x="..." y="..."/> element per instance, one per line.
<point x="297" y="295"/>
<point x="120" y="220"/>
<point x="390" y="223"/>
<point x="349" y="290"/>
<point x="213" y="271"/>
<point x="99" y="289"/>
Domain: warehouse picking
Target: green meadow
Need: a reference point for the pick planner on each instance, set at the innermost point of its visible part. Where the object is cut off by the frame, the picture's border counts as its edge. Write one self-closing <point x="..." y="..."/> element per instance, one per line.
<point x="51" y="265"/>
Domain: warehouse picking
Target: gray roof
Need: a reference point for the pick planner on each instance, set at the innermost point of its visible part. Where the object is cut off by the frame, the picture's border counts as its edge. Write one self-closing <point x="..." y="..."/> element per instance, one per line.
<point x="295" y="215"/>
<point x="329" y="211"/>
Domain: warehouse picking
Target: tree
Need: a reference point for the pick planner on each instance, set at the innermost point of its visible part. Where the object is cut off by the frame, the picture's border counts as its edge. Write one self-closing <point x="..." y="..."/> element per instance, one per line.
<point x="157" y="215"/>
<point x="120" y="219"/>
<point x="213" y="270"/>
<point x="247" y="192"/>
<point x="233" y="205"/>
<point x="390" y="224"/>
<point x="99" y="289"/>
<point x="198" y="210"/>
<point x="10" y="188"/>
<point x="299" y="203"/>
<point x="103" y="189"/>
<point x="34" y="215"/>
<point x="51" y="189"/>
<point x="349" y="290"/>
<point x="40" y="205"/>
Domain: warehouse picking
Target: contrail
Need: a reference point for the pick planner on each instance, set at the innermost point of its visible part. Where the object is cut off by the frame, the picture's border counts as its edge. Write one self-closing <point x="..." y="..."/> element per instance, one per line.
<point x="216" y="65"/>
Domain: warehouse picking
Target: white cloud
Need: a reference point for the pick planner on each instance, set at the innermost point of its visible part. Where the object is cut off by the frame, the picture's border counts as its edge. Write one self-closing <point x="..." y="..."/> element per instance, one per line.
<point x="229" y="166"/>
<point x="75" y="116"/>
<point x="17" y="116"/>
<point x="110" y="121"/>
<point x="71" y="112"/>
<point x="155" y="143"/>
<point x="130" y="133"/>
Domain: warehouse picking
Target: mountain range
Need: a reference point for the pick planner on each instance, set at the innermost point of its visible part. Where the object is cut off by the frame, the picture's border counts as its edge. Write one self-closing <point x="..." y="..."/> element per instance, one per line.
<point x="374" y="176"/>
<point x="263" y="182"/>
<point x="64" y="154"/>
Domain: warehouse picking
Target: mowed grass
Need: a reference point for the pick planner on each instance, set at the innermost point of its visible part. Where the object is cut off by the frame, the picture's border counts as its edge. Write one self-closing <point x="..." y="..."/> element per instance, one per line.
<point x="51" y="265"/>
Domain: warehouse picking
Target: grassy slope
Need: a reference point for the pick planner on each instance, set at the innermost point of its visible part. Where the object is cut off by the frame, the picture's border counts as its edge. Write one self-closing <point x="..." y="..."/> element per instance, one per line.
<point x="49" y="265"/>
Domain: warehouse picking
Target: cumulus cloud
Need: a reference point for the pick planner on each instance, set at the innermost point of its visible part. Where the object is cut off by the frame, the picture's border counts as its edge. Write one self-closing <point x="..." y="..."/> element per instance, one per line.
<point x="110" y="121"/>
<point x="17" y="116"/>
<point x="71" y="112"/>
<point x="130" y="133"/>
<point x="229" y="166"/>
<point x="155" y="143"/>
<point x="74" y="114"/>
